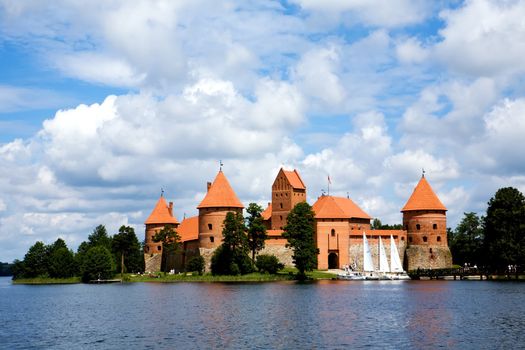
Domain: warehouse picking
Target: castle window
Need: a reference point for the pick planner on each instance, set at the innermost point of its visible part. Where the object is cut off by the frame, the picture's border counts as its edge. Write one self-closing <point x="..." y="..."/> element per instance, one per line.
<point x="158" y="247"/>
<point x="212" y="239"/>
<point x="332" y="233"/>
<point x="425" y="239"/>
<point x="210" y="226"/>
<point x="280" y="217"/>
<point x="430" y="250"/>
<point x="402" y="238"/>
<point x="418" y="227"/>
<point x="439" y="238"/>
<point x="435" y="226"/>
<point x="281" y="204"/>
<point x="410" y="239"/>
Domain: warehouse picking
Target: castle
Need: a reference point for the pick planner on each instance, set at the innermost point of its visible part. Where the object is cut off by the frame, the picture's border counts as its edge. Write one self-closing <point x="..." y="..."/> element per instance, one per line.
<point x="339" y="226"/>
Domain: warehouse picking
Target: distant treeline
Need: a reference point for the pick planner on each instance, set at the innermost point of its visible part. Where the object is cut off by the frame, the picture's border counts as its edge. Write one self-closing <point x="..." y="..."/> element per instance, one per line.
<point x="6" y="269"/>
<point x="98" y="257"/>
<point x="496" y="241"/>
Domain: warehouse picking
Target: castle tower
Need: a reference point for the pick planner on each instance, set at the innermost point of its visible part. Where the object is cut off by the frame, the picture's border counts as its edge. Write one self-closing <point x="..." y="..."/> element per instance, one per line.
<point x="219" y="200"/>
<point x="425" y="220"/>
<point x="337" y="219"/>
<point x="161" y="216"/>
<point x="288" y="189"/>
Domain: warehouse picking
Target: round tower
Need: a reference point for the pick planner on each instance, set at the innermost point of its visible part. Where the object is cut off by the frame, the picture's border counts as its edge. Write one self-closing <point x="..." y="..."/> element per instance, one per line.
<point x="425" y="220"/>
<point x="219" y="200"/>
<point x="161" y="216"/>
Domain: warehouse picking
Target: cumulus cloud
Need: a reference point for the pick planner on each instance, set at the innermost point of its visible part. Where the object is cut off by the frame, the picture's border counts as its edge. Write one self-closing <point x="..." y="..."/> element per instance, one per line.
<point x="484" y="38"/>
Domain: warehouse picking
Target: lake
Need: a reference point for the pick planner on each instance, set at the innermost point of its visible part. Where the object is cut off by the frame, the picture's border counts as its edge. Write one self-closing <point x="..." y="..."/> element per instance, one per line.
<point x="276" y="315"/>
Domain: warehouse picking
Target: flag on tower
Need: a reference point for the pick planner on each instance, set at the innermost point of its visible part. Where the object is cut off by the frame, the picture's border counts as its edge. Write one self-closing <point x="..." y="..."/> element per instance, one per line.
<point x="330" y="182"/>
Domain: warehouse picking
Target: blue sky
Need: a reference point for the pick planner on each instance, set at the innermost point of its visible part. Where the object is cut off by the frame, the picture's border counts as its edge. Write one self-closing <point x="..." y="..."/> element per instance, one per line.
<point x="104" y="103"/>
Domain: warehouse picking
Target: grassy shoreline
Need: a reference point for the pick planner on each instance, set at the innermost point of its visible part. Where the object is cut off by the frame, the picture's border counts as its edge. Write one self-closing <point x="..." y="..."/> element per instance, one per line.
<point x="288" y="274"/>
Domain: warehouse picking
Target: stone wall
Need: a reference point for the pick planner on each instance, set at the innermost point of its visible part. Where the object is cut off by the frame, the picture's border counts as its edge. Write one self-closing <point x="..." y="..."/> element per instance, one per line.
<point x="152" y="262"/>
<point x="427" y="257"/>
<point x="281" y="252"/>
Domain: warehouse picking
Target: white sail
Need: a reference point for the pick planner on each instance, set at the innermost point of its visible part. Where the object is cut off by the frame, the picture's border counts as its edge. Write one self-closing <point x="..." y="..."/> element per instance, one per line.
<point x="383" y="262"/>
<point x="395" y="262"/>
<point x="368" y="264"/>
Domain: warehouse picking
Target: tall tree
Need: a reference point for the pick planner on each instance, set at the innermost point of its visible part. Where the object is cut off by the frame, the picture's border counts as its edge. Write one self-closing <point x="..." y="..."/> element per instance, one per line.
<point x="256" y="229"/>
<point x="299" y="231"/>
<point x="126" y="247"/>
<point x="100" y="237"/>
<point x="231" y="258"/>
<point x="504" y="228"/>
<point x="36" y="261"/>
<point x="170" y="244"/>
<point x="466" y="243"/>
<point x="98" y="263"/>
<point x="62" y="261"/>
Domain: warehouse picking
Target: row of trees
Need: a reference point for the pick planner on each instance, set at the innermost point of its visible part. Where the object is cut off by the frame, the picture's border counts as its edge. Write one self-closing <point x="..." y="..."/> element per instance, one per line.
<point x="494" y="241"/>
<point x="6" y="269"/>
<point x="98" y="257"/>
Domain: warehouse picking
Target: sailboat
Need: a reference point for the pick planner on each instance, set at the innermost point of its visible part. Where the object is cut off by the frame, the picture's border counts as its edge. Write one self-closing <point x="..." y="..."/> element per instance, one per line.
<point x="369" y="269"/>
<point x="396" y="269"/>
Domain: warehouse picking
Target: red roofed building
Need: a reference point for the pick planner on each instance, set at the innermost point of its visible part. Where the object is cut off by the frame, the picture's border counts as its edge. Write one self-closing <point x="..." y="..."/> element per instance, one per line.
<point x="161" y="216"/>
<point x="425" y="220"/>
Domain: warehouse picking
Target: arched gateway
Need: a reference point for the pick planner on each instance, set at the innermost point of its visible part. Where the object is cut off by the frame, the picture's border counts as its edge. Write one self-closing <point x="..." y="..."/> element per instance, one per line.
<point x="333" y="261"/>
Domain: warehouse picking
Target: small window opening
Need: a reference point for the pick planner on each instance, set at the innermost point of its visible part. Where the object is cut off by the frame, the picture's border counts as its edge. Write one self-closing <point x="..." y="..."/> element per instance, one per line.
<point x="212" y="239"/>
<point x="435" y="226"/>
<point x="410" y="239"/>
<point x="418" y="227"/>
<point x="280" y="217"/>
<point x="210" y="226"/>
<point x="281" y="204"/>
<point x="402" y="238"/>
<point x="430" y="250"/>
<point x="158" y="247"/>
<point x="332" y="233"/>
<point x="425" y="239"/>
<point x="439" y="238"/>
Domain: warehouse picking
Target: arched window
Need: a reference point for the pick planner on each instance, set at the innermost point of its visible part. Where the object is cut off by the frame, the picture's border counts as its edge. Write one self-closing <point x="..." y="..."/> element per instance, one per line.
<point x="332" y="233"/>
<point x="439" y="238"/>
<point x="210" y="226"/>
<point x="418" y="227"/>
<point x="435" y="226"/>
<point x="281" y="204"/>
<point x="425" y="239"/>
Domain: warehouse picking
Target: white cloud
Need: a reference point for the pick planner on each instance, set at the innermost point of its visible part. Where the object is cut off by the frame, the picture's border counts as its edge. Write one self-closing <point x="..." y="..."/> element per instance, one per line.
<point x="411" y="51"/>
<point x="484" y="38"/>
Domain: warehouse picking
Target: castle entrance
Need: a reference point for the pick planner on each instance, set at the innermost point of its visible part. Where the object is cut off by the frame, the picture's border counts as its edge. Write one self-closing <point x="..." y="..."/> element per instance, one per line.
<point x="333" y="261"/>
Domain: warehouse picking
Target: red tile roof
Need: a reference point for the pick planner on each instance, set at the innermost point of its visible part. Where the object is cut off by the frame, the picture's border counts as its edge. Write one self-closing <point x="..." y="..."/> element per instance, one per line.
<point x="330" y="207"/>
<point x="161" y="214"/>
<point x="423" y="198"/>
<point x="294" y="179"/>
<point x="267" y="213"/>
<point x="220" y="194"/>
<point x="189" y="229"/>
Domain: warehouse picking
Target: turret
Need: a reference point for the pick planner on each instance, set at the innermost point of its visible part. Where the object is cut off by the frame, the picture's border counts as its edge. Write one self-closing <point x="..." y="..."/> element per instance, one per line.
<point x="161" y="216"/>
<point x="425" y="220"/>
<point x="219" y="200"/>
<point x="288" y="189"/>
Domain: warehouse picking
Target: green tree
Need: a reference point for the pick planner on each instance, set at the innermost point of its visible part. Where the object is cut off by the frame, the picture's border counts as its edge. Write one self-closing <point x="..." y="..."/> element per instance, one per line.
<point x="256" y="229"/>
<point x="504" y="227"/>
<point x="127" y="250"/>
<point x="36" y="262"/>
<point x="170" y="244"/>
<point x="231" y="257"/>
<point x="466" y="243"/>
<point x="299" y="231"/>
<point x="376" y="224"/>
<point x="195" y="264"/>
<point x="99" y="237"/>
<point x="61" y="260"/>
<point x="98" y="263"/>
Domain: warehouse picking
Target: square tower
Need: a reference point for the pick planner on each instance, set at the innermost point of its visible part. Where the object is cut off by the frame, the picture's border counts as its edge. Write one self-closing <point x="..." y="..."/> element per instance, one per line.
<point x="288" y="189"/>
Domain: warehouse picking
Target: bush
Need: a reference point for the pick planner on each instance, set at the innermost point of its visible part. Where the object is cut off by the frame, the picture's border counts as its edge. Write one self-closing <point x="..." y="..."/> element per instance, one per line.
<point x="268" y="263"/>
<point x="195" y="264"/>
<point x="224" y="262"/>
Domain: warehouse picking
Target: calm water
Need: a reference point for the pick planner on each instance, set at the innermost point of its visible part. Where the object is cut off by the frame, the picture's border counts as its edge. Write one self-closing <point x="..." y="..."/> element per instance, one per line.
<point x="328" y="314"/>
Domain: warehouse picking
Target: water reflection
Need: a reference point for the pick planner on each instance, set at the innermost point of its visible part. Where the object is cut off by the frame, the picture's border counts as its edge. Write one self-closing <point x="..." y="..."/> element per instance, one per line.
<point x="288" y="315"/>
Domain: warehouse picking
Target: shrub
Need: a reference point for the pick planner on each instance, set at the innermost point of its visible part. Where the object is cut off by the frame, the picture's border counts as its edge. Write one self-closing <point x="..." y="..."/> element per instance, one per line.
<point x="268" y="263"/>
<point x="195" y="264"/>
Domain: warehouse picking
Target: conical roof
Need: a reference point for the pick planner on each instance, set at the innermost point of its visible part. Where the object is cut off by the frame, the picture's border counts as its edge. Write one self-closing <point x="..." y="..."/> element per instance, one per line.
<point x="330" y="207"/>
<point x="423" y="198"/>
<point x="220" y="194"/>
<point x="161" y="214"/>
